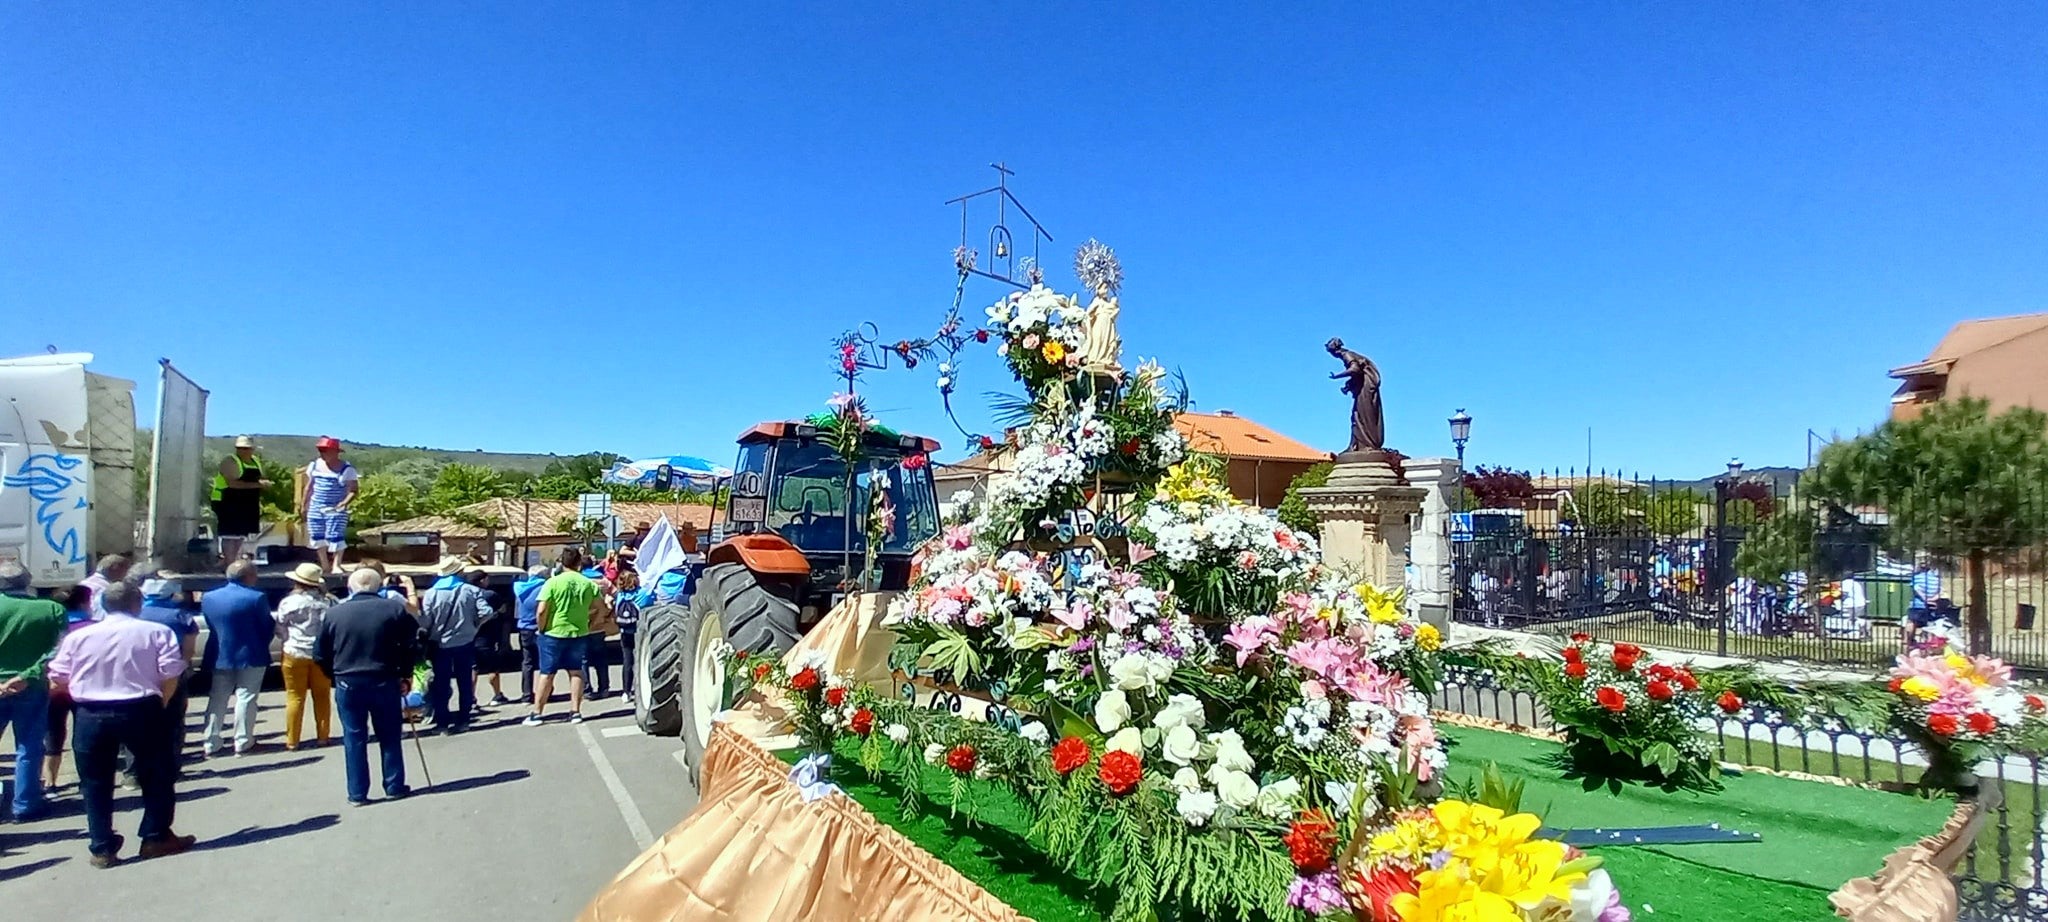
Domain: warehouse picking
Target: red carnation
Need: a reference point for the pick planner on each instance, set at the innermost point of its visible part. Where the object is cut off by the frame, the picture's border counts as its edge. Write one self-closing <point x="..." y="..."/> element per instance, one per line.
<point x="1572" y="654"/>
<point x="1942" y="725"/>
<point x="805" y="680"/>
<point x="1897" y="682"/>
<point x="1982" y="724"/>
<point x="862" y="722"/>
<point x="1120" y="771"/>
<point x="1129" y="447"/>
<point x="1624" y="660"/>
<point x="1661" y="671"/>
<point x="2036" y="702"/>
<point x="761" y="671"/>
<point x="981" y="336"/>
<point x="835" y="697"/>
<point x="961" y="758"/>
<point x="1730" y="702"/>
<point x="1575" y="670"/>
<point x="1068" y="754"/>
<point x="1628" y="648"/>
<point x="1659" y="690"/>
<point x="1581" y="637"/>
<point x="1687" y="681"/>
<point x="1311" y="842"/>
<point x="1610" y="698"/>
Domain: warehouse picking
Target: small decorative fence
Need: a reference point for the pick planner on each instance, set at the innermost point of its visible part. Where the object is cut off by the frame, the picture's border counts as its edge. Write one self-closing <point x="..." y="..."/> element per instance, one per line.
<point x="2001" y="878"/>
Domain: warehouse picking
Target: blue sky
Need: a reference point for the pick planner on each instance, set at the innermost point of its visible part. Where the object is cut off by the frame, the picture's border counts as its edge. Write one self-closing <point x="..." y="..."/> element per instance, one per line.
<point x="1699" y="230"/>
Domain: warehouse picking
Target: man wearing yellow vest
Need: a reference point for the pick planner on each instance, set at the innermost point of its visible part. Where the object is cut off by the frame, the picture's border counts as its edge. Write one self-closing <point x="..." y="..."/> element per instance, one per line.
<point x="238" y="498"/>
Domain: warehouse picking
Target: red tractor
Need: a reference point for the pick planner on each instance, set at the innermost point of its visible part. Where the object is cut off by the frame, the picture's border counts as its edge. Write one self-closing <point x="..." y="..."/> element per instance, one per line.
<point x="799" y="519"/>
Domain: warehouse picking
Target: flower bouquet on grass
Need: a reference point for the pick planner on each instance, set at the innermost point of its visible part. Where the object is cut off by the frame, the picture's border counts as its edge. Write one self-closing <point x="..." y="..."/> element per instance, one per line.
<point x="1629" y="720"/>
<point x="1961" y="710"/>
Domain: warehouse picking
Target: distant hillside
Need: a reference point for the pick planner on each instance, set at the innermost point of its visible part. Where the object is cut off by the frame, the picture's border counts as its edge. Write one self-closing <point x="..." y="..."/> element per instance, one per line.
<point x="1780" y="478"/>
<point x="292" y="449"/>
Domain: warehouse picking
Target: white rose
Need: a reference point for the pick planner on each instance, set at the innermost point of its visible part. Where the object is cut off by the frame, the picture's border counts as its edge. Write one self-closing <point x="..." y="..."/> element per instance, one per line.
<point x="1276" y="800"/>
<point x="934" y="752"/>
<point x="1180" y="711"/>
<point x="1141" y="671"/>
<point x="1230" y="752"/>
<point x="1112" y="710"/>
<point x="1035" y="732"/>
<point x="1182" y="745"/>
<point x="1196" y="806"/>
<point x="897" y="733"/>
<point x="1237" y="789"/>
<point x="1187" y="780"/>
<point x="1128" y="740"/>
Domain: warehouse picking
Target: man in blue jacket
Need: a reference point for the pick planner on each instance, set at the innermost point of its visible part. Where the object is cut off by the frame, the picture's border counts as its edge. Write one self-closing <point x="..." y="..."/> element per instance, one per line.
<point x="240" y="629"/>
<point x="162" y="604"/>
<point x="526" y="609"/>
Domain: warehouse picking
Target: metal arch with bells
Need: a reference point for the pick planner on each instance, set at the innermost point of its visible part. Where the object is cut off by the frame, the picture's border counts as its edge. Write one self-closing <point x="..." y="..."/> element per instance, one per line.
<point x="1002" y="245"/>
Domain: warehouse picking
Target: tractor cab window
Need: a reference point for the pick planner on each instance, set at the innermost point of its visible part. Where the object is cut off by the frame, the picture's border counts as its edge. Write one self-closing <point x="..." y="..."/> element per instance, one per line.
<point x="911" y="514"/>
<point x="809" y="505"/>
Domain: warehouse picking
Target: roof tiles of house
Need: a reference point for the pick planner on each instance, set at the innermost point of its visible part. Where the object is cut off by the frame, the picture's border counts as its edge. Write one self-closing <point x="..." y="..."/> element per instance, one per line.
<point x="1238" y="437"/>
<point x="543" y="514"/>
<point x="1973" y="336"/>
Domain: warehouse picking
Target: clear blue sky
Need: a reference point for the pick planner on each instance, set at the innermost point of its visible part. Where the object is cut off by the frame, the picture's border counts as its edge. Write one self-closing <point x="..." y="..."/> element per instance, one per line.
<point x="1699" y="229"/>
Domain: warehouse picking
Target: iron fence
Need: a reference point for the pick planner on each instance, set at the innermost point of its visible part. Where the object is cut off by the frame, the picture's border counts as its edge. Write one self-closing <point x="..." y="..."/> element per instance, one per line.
<point x="2001" y="874"/>
<point x="1662" y="564"/>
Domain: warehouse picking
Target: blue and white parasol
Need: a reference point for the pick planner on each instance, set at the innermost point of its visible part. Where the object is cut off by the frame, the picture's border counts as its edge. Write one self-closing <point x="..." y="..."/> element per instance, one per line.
<point x="687" y="472"/>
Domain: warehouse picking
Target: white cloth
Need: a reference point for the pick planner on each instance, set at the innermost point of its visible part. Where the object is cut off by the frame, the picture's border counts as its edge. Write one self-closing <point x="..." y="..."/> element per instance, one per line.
<point x="298" y="621"/>
<point x="660" y="552"/>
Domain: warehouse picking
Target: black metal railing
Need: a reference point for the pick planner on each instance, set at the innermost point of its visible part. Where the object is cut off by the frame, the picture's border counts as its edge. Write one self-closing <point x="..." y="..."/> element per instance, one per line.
<point x="2001" y="874"/>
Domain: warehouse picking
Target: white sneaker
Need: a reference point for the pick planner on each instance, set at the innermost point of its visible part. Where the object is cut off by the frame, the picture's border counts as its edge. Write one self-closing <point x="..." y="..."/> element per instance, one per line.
<point x="575" y="717"/>
<point x="532" y="720"/>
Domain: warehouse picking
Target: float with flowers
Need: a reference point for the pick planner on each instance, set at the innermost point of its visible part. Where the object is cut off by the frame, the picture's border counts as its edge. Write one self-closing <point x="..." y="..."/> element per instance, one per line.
<point x="1112" y="690"/>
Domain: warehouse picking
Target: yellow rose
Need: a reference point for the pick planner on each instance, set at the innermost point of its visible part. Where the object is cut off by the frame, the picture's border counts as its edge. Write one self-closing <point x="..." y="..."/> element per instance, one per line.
<point x="1427" y="637"/>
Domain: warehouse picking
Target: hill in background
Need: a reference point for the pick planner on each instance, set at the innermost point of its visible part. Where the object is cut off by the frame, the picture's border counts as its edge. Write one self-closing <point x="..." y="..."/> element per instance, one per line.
<point x="298" y="449"/>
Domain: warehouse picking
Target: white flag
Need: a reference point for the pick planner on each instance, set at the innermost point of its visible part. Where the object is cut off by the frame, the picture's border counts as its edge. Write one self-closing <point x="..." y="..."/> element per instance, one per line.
<point x="660" y="552"/>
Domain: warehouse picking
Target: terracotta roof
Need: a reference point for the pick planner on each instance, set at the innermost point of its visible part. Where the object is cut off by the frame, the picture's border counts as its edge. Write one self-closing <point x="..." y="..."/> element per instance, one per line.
<point x="543" y="514"/>
<point x="1972" y="336"/>
<point x="1238" y="437"/>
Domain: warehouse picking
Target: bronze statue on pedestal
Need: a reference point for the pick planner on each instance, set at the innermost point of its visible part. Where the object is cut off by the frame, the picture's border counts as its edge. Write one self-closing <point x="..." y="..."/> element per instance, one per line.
<point x="1362" y="382"/>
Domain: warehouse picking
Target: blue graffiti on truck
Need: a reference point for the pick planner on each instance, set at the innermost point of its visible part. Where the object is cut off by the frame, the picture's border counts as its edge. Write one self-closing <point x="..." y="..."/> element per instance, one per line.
<point x="59" y="497"/>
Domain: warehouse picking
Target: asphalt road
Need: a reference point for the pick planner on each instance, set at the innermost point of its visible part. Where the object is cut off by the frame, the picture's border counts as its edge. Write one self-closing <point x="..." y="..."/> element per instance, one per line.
<point x="522" y="823"/>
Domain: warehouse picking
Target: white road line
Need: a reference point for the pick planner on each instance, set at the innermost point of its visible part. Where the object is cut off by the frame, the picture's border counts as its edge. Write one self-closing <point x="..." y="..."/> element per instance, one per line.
<point x="628" y="811"/>
<point x="612" y="733"/>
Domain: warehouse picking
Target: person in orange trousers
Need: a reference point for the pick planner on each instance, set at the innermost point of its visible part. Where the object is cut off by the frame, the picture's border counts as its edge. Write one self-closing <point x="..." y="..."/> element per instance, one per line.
<point x="298" y="625"/>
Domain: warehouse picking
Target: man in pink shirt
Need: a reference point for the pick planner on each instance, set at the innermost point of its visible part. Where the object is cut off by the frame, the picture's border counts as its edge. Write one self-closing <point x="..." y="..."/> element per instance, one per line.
<point x="119" y="672"/>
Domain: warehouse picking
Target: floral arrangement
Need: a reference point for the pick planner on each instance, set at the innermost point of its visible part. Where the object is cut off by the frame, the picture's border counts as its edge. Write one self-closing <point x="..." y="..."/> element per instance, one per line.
<point x="1961" y="709"/>
<point x="1629" y="719"/>
<point x="822" y="704"/>
<point x="1042" y="332"/>
<point x="1461" y="861"/>
<point x="1221" y="556"/>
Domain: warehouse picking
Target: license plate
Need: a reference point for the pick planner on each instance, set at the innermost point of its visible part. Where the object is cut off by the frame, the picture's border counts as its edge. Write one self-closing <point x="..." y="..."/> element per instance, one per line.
<point x="749" y="508"/>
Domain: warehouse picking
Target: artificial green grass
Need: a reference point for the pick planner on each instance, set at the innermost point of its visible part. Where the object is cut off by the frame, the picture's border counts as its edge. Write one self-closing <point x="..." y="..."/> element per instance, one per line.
<point x="1815" y="836"/>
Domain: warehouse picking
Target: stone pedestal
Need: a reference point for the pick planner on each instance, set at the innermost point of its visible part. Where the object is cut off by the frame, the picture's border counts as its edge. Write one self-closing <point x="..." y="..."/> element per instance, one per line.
<point x="1365" y="511"/>
<point x="1429" y="591"/>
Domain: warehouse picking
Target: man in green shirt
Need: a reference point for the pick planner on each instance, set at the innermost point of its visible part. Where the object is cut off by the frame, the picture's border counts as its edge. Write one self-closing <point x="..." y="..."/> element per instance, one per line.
<point x="29" y="631"/>
<point x="566" y="602"/>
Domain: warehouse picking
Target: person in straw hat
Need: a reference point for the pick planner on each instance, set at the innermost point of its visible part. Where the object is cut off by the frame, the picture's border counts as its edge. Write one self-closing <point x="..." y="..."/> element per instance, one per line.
<point x="237" y="498"/>
<point x="298" y="625"/>
<point x="449" y="615"/>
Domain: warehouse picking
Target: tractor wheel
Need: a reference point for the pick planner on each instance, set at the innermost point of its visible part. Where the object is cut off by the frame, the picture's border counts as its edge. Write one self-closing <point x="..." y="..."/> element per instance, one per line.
<point x="756" y="620"/>
<point x="657" y="670"/>
<point x="731" y="606"/>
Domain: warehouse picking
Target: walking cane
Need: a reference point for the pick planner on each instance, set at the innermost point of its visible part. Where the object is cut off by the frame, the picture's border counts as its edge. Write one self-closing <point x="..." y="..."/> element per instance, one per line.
<point x="412" y="726"/>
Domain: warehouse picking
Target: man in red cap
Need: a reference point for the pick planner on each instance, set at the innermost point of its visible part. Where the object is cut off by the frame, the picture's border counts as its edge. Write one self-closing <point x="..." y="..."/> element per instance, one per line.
<point x="331" y="485"/>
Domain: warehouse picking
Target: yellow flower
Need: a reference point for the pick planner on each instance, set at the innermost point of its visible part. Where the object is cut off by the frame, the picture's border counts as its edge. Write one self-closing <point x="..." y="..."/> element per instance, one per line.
<point x="1327" y="613"/>
<point x="1529" y="874"/>
<point x="1411" y="839"/>
<point x="1427" y="637"/>
<point x="1445" y="896"/>
<point x="1383" y="610"/>
<point x="1920" y="688"/>
<point x="1478" y="833"/>
<point x="1054" y="352"/>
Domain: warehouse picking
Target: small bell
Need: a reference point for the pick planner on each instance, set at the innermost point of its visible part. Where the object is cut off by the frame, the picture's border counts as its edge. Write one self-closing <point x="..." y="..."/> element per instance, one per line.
<point x="1002" y="249"/>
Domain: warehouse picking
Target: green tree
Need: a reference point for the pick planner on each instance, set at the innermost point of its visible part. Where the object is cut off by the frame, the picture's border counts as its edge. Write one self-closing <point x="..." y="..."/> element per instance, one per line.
<point x="1780" y="544"/>
<point x="419" y="471"/>
<point x="1956" y="482"/>
<point x="384" y="497"/>
<point x="1294" y="512"/>
<point x="1604" y="505"/>
<point x="462" y="484"/>
<point x="1673" y="513"/>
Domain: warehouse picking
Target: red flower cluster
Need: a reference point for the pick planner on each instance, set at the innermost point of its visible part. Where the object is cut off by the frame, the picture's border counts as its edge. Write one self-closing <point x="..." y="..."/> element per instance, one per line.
<point x="2034" y="702"/>
<point x="1982" y="724"/>
<point x="1730" y="702"/>
<point x="1571" y="655"/>
<point x="761" y="671"/>
<point x="1575" y="670"/>
<point x="1625" y="656"/>
<point x="1611" y="699"/>
<point x="835" y="697"/>
<point x="805" y="680"/>
<point x="1942" y="725"/>
<point x="916" y="461"/>
<point x="1120" y="771"/>
<point x="961" y="758"/>
<point x="862" y="722"/>
<point x="1311" y="842"/>
<point x="1068" y="754"/>
<point x="1581" y="637"/>
<point x="1659" y="690"/>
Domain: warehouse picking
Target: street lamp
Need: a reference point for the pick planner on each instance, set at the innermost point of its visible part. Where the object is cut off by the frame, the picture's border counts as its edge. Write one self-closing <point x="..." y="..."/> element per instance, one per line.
<point x="1461" y="431"/>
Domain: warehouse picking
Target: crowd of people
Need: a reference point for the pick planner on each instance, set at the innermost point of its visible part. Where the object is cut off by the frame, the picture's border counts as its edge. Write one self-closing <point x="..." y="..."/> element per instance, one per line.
<point x="111" y="663"/>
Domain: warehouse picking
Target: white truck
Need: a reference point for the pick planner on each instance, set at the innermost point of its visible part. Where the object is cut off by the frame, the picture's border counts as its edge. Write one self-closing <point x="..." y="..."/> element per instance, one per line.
<point x="67" y="468"/>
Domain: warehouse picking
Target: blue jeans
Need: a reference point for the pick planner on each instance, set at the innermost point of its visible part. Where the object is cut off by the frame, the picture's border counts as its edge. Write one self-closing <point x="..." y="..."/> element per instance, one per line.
<point x="453" y="664"/>
<point x="367" y="703"/>
<point x="28" y="713"/>
<point x="100" y="730"/>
